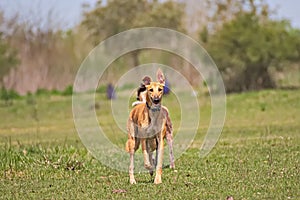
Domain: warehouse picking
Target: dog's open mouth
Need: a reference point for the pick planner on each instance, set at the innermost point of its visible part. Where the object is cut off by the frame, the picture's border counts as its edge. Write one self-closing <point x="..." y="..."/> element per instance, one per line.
<point x="156" y="101"/>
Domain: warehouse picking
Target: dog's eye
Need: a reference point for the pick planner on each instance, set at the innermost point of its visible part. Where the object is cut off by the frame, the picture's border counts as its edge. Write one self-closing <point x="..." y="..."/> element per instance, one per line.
<point x="151" y="90"/>
<point x="159" y="89"/>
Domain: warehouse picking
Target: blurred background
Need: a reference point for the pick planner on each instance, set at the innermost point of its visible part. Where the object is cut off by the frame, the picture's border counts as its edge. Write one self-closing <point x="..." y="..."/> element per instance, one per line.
<point x="255" y="43"/>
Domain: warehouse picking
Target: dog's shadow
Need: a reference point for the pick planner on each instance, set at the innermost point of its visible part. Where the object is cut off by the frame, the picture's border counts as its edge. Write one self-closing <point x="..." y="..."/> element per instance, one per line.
<point x="150" y="179"/>
<point x="166" y="166"/>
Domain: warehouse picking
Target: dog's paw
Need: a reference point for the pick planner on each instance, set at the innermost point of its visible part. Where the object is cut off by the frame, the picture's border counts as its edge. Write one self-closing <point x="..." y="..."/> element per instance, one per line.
<point x="148" y="166"/>
<point x="172" y="166"/>
<point x="157" y="180"/>
<point x="132" y="181"/>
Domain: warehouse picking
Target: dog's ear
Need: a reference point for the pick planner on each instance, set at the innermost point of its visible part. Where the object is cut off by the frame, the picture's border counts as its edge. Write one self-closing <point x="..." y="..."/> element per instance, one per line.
<point x="147" y="80"/>
<point x="160" y="76"/>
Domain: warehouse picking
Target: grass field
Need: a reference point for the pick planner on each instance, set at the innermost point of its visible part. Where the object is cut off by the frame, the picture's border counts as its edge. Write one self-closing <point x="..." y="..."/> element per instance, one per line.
<point x="257" y="156"/>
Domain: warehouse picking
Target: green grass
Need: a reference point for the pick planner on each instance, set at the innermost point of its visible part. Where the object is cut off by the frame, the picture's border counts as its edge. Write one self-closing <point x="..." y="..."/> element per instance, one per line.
<point x="257" y="156"/>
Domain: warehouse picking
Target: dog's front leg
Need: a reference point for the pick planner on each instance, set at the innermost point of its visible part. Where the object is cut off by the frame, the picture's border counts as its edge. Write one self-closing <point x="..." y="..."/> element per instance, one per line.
<point x="131" y="147"/>
<point x="160" y="153"/>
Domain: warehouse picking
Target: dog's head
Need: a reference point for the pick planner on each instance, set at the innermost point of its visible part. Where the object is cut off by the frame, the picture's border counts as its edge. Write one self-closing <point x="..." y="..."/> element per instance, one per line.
<point x="155" y="89"/>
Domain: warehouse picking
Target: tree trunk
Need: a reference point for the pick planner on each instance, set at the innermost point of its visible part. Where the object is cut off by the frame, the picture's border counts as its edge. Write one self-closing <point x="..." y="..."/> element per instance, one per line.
<point x="257" y="77"/>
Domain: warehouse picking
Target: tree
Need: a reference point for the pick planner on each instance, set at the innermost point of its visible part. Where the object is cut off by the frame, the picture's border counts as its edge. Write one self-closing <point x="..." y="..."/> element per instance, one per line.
<point x="246" y="47"/>
<point x="8" y="55"/>
<point x="119" y="15"/>
<point x="47" y="56"/>
<point x="219" y="12"/>
<point x="8" y="58"/>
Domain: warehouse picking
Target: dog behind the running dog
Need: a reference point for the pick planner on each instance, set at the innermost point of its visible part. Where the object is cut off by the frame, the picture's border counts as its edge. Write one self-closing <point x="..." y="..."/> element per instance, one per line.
<point x="147" y="126"/>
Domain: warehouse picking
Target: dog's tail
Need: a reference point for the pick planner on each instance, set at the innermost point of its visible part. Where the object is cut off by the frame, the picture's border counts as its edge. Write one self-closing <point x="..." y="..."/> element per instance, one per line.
<point x="136" y="103"/>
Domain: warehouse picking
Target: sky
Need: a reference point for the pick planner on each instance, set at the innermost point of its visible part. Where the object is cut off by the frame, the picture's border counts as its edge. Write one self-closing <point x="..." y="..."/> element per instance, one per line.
<point x="287" y="9"/>
<point x="68" y="12"/>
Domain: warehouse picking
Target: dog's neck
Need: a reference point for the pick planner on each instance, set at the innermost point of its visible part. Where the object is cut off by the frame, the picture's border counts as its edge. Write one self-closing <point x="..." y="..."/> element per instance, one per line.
<point x="155" y="117"/>
<point x="153" y="108"/>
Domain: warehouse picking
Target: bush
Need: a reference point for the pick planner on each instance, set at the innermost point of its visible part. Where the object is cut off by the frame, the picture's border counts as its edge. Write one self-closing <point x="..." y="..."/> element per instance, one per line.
<point x="101" y="89"/>
<point x="41" y="91"/>
<point x="246" y="48"/>
<point x="68" y="91"/>
<point x="8" y="96"/>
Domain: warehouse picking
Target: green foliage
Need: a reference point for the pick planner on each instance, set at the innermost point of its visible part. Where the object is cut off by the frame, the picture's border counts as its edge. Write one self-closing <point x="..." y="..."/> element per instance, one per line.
<point x="168" y="14"/>
<point x="42" y="91"/>
<point x="113" y="17"/>
<point x="120" y="15"/>
<point x="8" y="58"/>
<point x="30" y="99"/>
<point x="55" y="92"/>
<point x="68" y="91"/>
<point x="245" y="43"/>
<point x="53" y="53"/>
<point x="8" y="96"/>
<point x="101" y="89"/>
<point x="246" y="47"/>
<point x="204" y="35"/>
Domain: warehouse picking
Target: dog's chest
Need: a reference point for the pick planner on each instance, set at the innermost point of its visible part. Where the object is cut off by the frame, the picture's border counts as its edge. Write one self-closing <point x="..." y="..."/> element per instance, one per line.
<point x="155" y="116"/>
<point x="151" y="124"/>
<point x="155" y="122"/>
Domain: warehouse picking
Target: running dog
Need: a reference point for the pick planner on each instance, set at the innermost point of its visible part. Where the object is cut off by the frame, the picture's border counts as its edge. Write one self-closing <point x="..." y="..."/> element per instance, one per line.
<point x="141" y="98"/>
<point x="147" y="125"/>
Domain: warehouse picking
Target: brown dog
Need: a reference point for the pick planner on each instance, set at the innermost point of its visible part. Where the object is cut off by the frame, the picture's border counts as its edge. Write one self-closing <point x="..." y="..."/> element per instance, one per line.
<point x="147" y="126"/>
<point x="141" y="98"/>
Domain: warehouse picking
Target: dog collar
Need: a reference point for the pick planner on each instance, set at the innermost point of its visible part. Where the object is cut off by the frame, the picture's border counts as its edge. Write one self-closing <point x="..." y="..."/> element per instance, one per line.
<point x="152" y="109"/>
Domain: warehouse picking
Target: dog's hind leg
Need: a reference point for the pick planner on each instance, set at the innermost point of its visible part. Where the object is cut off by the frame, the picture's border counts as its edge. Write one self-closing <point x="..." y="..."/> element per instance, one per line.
<point x="131" y="168"/>
<point x="150" y="150"/>
<point x="131" y="149"/>
<point x="151" y="163"/>
<point x="145" y="149"/>
<point x="169" y="136"/>
<point x="171" y="154"/>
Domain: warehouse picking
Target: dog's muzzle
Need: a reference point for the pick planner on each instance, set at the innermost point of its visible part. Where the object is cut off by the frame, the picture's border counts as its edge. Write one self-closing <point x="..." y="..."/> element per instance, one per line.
<point x="156" y="100"/>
